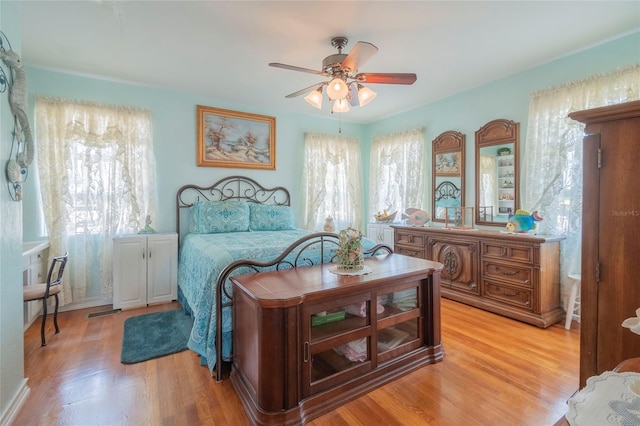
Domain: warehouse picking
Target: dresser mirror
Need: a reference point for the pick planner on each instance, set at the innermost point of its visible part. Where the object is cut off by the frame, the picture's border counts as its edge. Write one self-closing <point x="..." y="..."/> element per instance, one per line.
<point x="447" y="174"/>
<point x="497" y="173"/>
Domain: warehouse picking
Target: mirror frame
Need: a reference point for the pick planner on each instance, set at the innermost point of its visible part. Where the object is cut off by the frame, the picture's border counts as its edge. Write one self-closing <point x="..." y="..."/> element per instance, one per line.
<point x="447" y="142"/>
<point x="498" y="132"/>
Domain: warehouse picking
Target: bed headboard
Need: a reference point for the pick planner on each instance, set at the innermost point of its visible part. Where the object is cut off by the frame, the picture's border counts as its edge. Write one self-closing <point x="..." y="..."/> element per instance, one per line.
<point x="229" y="188"/>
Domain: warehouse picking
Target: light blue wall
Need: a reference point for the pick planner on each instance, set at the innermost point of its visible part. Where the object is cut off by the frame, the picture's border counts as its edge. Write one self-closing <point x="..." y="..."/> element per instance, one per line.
<point x="174" y="140"/>
<point x="508" y="98"/>
<point x="174" y="125"/>
<point x="12" y="381"/>
<point x="174" y="135"/>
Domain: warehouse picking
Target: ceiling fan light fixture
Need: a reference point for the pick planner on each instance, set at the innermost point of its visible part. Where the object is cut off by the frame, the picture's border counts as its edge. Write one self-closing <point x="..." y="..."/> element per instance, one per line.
<point x="315" y="98"/>
<point x="365" y="95"/>
<point x="340" y="105"/>
<point x="337" y="89"/>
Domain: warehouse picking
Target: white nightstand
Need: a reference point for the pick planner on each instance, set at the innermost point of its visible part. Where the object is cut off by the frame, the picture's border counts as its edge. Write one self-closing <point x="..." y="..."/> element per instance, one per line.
<point x="145" y="269"/>
<point x="381" y="233"/>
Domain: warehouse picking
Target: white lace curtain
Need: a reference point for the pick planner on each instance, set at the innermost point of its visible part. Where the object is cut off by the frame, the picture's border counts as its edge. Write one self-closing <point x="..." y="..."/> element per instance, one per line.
<point x="97" y="174"/>
<point x="396" y="172"/>
<point x="332" y="181"/>
<point x="552" y="180"/>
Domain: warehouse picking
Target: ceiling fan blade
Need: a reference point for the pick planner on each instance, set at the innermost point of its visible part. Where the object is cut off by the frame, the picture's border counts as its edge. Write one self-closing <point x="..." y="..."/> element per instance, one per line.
<point x="305" y="90"/>
<point x="294" y="68"/>
<point x="386" y="78"/>
<point x="360" y="54"/>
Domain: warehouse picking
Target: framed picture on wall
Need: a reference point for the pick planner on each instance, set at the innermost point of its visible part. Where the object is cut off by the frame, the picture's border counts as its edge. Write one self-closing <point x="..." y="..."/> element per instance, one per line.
<point x="447" y="164"/>
<point x="228" y="138"/>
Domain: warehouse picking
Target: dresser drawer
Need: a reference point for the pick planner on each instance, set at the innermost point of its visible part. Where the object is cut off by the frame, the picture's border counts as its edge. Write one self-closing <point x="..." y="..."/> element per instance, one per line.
<point x="520" y="253"/>
<point x="512" y="295"/>
<point x="415" y="239"/>
<point x="409" y="251"/>
<point x="514" y="273"/>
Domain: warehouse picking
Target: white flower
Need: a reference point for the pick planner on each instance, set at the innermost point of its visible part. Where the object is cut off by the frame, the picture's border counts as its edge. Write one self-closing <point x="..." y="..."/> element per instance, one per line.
<point x="633" y="323"/>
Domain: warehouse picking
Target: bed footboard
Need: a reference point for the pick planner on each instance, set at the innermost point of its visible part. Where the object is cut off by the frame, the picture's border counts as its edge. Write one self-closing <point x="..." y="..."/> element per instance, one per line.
<point x="313" y="249"/>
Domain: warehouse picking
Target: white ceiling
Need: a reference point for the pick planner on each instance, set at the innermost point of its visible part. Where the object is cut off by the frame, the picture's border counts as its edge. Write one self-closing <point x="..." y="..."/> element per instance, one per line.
<point x="221" y="49"/>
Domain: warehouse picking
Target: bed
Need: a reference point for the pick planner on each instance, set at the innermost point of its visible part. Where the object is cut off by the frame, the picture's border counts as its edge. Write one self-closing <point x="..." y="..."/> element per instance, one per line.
<point x="235" y="226"/>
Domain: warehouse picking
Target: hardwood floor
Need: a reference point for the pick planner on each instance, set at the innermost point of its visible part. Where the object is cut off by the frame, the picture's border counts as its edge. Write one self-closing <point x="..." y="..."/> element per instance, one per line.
<point x="496" y="371"/>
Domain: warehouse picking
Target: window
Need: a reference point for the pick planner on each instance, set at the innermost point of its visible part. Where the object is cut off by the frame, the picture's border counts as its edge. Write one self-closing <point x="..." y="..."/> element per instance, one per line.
<point x="332" y="182"/>
<point x="97" y="179"/>
<point x="553" y="173"/>
<point x="396" y="172"/>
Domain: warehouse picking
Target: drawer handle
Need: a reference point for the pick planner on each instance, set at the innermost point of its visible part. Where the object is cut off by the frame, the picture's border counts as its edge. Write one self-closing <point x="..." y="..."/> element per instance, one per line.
<point x="472" y="285"/>
<point x="508" y="272"/>
<point x="306" y="351"/>
<point x="506" y="293"/>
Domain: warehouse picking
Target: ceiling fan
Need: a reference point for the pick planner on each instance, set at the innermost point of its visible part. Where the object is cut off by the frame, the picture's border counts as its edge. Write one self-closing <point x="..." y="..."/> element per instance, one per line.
<point x="345" y="84"/>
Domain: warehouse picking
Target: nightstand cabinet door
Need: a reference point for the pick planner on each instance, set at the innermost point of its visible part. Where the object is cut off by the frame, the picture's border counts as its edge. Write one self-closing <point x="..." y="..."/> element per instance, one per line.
<point x="129" y="272"/>
<point x="162" y="268"/>
<point x="145" y="269"/>
<point x="380" y="233"/>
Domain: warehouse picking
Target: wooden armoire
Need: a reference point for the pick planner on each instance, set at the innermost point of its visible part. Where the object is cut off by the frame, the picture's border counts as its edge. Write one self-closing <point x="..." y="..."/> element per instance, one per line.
<point x="610" y="285"/>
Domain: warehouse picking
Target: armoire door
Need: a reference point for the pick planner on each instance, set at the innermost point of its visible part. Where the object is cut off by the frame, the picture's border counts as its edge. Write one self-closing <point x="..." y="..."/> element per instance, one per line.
<point x="611" y="238"/>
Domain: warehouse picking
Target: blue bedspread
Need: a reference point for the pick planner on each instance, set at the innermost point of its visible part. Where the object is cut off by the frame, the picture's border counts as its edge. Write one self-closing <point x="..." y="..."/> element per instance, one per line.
<point x="202" y="258"/>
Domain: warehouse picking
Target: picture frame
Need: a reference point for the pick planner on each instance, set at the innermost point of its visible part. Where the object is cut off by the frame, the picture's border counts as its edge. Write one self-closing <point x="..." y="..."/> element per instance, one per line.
<point x="235" y="139"/>
<point x="447" y="163"/>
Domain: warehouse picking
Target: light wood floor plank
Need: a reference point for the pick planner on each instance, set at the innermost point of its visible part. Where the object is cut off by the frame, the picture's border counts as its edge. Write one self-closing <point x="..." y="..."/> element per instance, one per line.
<point x="496" y="371"/>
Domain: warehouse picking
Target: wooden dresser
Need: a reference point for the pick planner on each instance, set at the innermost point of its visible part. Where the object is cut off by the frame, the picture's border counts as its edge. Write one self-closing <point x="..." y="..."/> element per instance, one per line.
<point x="307" y="340"/>
<point x="514" y="275"/>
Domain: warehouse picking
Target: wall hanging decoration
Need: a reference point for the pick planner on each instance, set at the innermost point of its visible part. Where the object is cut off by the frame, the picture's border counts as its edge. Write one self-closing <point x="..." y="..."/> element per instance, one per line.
<point x="235" y="139"/>
<point x="22" y="145"/>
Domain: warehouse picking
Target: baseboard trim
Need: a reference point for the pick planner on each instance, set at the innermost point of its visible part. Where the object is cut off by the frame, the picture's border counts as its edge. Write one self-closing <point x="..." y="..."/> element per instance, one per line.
<point x="87" y="303"/>
<point x="14" y="406"/>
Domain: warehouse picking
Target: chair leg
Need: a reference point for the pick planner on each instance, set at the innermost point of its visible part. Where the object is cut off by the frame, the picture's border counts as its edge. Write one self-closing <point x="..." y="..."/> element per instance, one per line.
<point x="55" y="315"/>
<point x="44" y="321"/>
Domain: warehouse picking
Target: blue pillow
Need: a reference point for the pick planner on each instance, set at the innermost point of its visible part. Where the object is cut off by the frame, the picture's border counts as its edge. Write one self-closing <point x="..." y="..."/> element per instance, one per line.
<point x="265" y="217"/>
<point x="210" y="217"/>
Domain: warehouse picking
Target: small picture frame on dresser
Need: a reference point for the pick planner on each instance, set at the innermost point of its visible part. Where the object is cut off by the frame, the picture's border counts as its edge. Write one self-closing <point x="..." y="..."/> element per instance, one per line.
<point x="459" y="218"/>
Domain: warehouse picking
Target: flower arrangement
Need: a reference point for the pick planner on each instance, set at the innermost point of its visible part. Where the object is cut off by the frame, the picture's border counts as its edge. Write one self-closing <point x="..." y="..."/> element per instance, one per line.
<point x="349" y="254"/>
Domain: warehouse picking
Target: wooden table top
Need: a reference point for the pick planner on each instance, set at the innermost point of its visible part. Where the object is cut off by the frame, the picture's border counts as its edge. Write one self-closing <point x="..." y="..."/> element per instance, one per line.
<point x="291" y="287"/>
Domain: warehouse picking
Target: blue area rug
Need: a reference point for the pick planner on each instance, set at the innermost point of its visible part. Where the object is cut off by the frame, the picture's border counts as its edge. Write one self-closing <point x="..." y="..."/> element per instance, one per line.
<point x="154" y="335"/>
